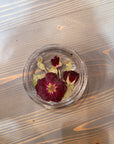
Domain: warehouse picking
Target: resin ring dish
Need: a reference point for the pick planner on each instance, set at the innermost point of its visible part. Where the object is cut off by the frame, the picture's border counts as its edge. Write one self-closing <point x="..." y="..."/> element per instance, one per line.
<point x="66" y="55"/>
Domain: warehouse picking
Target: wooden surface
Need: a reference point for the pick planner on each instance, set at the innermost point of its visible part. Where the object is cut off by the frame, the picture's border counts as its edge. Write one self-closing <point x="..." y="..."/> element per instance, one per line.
<point x="84" y="25"/>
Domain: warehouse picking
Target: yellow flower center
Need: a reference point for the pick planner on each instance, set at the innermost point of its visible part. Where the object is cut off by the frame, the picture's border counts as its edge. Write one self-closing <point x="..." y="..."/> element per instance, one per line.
<point x="51" y="88"/>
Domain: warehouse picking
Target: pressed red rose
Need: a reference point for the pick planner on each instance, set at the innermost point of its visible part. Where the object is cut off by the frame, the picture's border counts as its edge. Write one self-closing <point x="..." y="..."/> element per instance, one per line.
<point x="73" y="76"/>
<point x="51" y="88"/>
<point x="55" y="61"/>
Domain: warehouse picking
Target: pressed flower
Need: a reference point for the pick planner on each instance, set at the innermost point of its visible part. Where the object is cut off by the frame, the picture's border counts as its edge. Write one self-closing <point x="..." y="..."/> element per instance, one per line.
<point x="51" y="88"/>
<point x="73" y="76"/>
<point x="56" y="61"/>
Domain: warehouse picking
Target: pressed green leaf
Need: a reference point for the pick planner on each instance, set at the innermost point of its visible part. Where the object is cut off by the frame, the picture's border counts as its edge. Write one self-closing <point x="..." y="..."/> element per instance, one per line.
<point x="41" y="65"/>
<point x="60" y="63"/>
<point x="40" y="60"/>
<point x="71" y="86"/>
<point x="59" y="72"/>
<point x="67" y="80"/>
<point x="68" y="92"/>
<point x="73" y="82"/>
<point x="69" y="66"/>
<point x="36" y="78"/>
<point x="53" y="69"/>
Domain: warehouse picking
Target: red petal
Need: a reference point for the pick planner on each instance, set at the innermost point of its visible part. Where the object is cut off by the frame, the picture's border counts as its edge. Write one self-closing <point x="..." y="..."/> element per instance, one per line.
<point x="61" y="89"/>
<point x="41" y="89"/>
<point x="51" y="77"/>
<point x="72" y="76"/>
<point x="77" y="77"/>
<point x="55" y="61"/>
<point x="65" y="74"/>
<point x="43" y="92"/>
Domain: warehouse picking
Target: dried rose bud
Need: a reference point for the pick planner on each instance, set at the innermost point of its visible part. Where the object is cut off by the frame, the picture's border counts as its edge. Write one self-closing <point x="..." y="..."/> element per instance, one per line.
<point x="73" y="76"/>
<point x="56" y="62"/>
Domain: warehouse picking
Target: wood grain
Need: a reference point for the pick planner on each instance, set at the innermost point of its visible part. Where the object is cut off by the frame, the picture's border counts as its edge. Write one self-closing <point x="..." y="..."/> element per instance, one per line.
<point x="85" y="26"/>
<point x="25" y="11"/>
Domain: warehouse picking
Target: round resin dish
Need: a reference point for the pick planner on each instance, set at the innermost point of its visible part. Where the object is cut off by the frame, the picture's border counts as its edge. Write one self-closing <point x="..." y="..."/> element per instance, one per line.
<point x="43" y="64"/>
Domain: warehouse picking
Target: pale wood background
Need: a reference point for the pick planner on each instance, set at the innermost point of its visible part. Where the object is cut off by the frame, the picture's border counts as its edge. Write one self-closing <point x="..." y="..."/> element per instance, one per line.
<point x="84" y="25"/>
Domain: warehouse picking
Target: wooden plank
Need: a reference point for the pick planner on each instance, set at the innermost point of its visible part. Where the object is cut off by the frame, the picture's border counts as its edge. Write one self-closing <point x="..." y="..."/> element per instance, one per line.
<point x="90" y="120"/>
<point x="42" y="123"/>
<point x="21" y="12"/>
